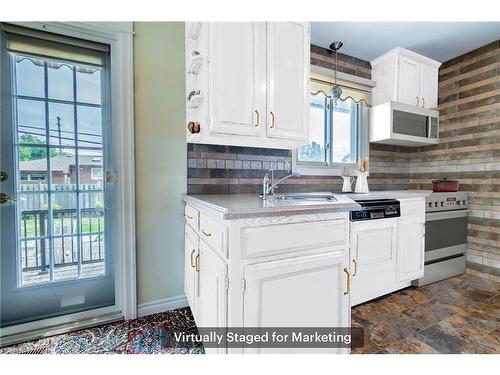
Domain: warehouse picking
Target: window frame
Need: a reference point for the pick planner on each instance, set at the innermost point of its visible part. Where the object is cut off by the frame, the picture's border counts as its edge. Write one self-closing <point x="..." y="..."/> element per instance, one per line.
<point x="331" y="168"/>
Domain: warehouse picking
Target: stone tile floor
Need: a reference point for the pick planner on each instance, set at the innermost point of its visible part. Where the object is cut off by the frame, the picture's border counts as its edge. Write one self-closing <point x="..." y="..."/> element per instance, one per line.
<point x="457" y="315"/>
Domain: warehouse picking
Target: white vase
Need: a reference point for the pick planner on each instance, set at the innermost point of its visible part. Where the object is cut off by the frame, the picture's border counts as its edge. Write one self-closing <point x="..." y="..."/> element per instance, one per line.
<point x="361" y="183"/>
<point x="347" y="185"/>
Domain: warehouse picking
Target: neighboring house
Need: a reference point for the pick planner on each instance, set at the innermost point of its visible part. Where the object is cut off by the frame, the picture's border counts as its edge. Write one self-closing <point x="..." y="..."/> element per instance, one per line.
<point x="63" y="170"/>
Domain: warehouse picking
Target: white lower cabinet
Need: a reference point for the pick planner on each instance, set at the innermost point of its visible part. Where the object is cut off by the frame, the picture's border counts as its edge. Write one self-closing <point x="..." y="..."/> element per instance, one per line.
<point x="275" y="283"/>
<point x="373" y="258"/>
<point x="387" y="254"/>
<point x="307" y="291"/>
<point x="191" y="263"/>
<point x="412" y="243"/>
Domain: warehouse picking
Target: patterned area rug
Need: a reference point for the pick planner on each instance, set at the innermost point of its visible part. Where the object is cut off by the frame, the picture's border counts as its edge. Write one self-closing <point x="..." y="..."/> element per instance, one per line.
<point x="153" y="334"/>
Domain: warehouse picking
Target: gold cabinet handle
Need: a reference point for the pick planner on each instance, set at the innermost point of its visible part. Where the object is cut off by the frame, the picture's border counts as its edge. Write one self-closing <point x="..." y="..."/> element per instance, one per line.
<point x="355" y="267"/>
<point x="189" y="216"/>
<point x="418" y="100"/>
<point x="273" y="120"/>
<point x="197" y="263"/>
<point x="423" y="102"/>
<point x="348" y="290"/>
<point x="258" y="118"/>
<point x="206" y="233"/>
<point x="191" y="256"/>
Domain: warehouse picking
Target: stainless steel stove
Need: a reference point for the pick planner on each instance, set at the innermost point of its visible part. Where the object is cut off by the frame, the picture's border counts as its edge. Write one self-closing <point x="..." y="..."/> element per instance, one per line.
<point x="445" y="236"/>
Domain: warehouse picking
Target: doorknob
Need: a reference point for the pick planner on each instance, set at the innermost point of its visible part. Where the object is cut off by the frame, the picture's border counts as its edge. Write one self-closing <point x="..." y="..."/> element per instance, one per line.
<point x="4" y="198"/>
<point x="3" y="176"/>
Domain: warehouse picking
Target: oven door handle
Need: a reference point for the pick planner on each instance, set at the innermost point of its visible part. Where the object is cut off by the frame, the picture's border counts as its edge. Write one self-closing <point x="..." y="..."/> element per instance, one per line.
<point x="443" y="215"/>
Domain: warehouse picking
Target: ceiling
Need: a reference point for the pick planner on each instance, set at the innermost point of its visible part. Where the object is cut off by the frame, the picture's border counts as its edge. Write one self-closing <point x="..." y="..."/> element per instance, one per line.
<point x="440" y="41"/>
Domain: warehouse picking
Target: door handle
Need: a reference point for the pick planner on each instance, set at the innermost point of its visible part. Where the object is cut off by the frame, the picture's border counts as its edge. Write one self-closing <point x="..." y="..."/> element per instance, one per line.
<point x="258" y="118"/>
<point x="273" y="119"/>
<point x="355" y="267"/>
<point x="423" y="102"/>
<point x="348" y="287"/>
<point x="192" y="263"/>
<point x="197" y="263"/>
<point x="3" y="176"/>
<point x="4" y="198"/>
<point x="418" y="100"/>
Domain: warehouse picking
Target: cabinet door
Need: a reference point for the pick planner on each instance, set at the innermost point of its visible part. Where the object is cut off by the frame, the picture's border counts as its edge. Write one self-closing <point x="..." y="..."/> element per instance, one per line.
<point x="428" y="86"/>
<point x="212" y="288"/>
<point x="190" y="269"/>
<point x="408" y="81"/>
<point x="237" y="77"/>
<point x="411" y="248"/>
<point x="297" y="292"/>
<point x="288" y="50"/>
<point x="373" y="257"/>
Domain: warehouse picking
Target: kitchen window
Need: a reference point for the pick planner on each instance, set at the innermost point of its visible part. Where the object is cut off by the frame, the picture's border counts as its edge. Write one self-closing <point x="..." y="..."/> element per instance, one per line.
<point x="338" y="134"/>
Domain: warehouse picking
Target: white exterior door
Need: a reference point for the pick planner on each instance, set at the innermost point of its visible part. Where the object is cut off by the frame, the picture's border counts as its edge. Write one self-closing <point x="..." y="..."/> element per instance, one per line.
<point x="288" y="64"/>
<point x="411" y="248"/>
<point x="56" y="240"/>
<point x="428" y="86"/>
<point x="191" y="270"/>
<point x="409" y="77"/>
<point x="374" y="248"/>
<point x="237" y="77"/>
<point x="297" y="292"/>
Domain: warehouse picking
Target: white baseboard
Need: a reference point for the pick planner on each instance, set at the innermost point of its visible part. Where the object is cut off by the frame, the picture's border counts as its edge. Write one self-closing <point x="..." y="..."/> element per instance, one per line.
<point x="161" y="305"/>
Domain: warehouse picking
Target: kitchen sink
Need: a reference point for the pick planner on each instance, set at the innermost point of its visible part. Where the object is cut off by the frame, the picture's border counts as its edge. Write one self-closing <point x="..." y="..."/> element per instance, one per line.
<point x="305" y="197"/>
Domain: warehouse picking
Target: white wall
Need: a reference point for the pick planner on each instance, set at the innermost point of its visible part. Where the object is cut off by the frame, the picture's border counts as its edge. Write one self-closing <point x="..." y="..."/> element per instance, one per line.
<point x="160" y="153"/>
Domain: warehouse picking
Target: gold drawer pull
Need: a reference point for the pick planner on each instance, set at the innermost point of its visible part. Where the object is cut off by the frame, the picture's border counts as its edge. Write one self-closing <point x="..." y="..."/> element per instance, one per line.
<point x="192" y="262"/>
<point x="206" y="233"/>
<point x="348" y="281"/>
<point x="197" y="262"/>
<point x="355" y="267"/>
<point x="189" y="216"/>
<point x="273" y="120"/>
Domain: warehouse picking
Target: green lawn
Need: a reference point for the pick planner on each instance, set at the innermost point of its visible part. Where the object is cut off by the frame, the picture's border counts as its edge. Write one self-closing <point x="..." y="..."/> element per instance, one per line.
<point x="86" y="226"/>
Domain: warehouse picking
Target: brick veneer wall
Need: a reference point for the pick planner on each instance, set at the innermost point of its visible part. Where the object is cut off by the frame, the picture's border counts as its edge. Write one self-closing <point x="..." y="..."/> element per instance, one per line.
<point x="469" y="148"/>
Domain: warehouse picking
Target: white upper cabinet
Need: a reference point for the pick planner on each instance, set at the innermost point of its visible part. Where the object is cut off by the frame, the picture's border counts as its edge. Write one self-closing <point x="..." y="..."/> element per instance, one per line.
<point x="405" y="77"/>
<point x="429" y="78"/>
<point x="288" y="53"/>
<point x="408" y="81"/>
<point x="252" y="85"/>
<point x="236" y="76"/>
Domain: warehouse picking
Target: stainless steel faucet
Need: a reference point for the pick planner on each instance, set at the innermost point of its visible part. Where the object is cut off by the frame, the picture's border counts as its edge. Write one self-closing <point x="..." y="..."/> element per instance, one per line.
<point x="268" y="184"/>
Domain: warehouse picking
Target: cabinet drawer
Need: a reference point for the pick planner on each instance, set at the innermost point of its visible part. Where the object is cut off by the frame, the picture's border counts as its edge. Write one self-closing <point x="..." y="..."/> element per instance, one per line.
<point x="213" y="234"/>
<point x="192" y="216"/>
<point x="281" y="238"/>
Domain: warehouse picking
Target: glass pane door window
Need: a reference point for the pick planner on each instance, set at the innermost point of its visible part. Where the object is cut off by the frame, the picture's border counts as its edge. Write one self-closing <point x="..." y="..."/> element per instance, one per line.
<point x="56" y="253"/>
<point x="58" y="123"/>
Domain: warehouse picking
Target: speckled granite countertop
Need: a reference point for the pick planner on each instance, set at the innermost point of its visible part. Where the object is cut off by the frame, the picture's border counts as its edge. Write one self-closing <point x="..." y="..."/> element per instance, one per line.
<point x="237" y="206"/>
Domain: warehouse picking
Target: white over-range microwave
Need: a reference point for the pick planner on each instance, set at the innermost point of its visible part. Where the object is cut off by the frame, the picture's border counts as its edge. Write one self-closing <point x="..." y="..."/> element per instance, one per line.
<point x="395" y="123"/>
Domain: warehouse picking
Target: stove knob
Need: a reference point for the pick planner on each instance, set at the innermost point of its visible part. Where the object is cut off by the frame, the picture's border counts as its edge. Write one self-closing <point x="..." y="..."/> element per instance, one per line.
<point x="464" y="203"/>
<point x="442" y="204"/>
<point x="430" y="204"/>
<point x="459" y="203"/>
<point x="435" y="204"/>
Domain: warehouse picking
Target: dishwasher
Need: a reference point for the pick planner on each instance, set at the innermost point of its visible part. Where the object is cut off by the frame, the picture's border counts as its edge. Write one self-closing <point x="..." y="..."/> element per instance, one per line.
<point x="373" y="231"/>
